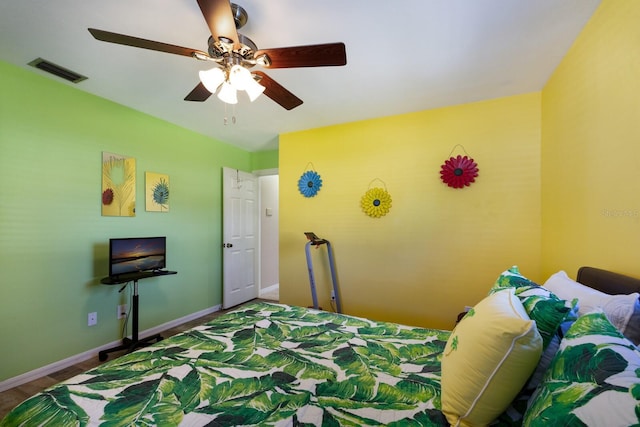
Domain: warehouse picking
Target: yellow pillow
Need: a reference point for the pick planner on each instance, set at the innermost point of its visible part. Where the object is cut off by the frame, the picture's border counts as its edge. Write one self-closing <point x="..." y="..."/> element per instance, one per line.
<point x="487" y="360"/>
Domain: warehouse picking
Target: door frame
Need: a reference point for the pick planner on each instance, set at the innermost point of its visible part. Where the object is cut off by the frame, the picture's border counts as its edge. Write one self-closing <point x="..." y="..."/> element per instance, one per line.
<point x="259" y="208"/>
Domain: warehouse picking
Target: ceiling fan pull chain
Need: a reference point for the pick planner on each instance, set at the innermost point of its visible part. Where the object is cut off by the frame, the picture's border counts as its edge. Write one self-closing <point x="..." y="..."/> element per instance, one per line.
<point x="225" y="113"/>
<point x="233" y="115"/>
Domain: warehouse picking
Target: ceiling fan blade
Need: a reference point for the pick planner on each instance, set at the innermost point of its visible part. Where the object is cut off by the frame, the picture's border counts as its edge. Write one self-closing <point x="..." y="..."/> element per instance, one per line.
<point x="110" y="37"/>
<point x="277" y="92"/>
<point x="317" y="55"/>
<point x="199" y="94"/>
<point x="219" y="17"/>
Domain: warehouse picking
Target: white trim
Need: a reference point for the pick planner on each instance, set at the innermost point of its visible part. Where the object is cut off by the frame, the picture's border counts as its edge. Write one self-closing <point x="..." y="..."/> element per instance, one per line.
<point x="270" y="289"/>
<point x="70" y="361"/>
<point x="265" y="172"/>
<point x="262" y="173"/>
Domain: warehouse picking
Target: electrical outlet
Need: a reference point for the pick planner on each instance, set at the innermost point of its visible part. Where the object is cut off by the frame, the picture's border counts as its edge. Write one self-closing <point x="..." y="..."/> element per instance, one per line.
<point x="333" y="295"/>
<point x="122" y="311"/>
<point x="92" y="319"/>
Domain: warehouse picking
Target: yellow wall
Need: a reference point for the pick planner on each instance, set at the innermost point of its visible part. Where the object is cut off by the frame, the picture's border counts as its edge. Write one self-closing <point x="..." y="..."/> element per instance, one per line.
<point x="591" y="147"/>
<point x="439" y="248"/>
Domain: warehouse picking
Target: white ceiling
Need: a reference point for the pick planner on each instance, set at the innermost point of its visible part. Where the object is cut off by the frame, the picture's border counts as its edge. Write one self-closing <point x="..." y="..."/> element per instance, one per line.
<point x="401" y="56"/>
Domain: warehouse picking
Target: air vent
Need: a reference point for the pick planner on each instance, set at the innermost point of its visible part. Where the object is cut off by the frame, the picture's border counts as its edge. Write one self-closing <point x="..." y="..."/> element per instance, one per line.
<point x="57" y="70"/>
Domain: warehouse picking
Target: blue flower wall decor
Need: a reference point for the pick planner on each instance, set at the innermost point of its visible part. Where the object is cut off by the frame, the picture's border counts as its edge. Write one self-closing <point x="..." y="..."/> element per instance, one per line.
<point x="309" y="183"/>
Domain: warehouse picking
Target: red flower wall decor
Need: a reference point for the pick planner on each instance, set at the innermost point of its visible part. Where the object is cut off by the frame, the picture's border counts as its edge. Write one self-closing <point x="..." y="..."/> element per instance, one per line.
<point x="458" y="172"/>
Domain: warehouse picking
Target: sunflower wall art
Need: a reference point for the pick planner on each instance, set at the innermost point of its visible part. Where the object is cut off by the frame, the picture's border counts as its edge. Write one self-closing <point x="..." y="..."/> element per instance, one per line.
<point x="157" y="192"/>
<point x="459" y="171"/>
<point x="118" y="185"/>
<point x="376" y="202"/>
<point x="309" y="183"/>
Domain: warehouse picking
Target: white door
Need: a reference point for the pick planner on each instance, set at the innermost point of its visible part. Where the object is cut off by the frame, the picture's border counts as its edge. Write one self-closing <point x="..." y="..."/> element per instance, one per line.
<point x="239" y="237"/>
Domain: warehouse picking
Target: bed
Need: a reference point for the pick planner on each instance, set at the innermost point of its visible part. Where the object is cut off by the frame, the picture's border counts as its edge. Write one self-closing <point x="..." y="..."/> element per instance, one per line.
<point x="280" y="365"/>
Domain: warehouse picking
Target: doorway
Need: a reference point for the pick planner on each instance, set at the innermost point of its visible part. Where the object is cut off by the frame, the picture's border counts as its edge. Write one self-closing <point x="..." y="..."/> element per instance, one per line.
<point x="268" y="187"/>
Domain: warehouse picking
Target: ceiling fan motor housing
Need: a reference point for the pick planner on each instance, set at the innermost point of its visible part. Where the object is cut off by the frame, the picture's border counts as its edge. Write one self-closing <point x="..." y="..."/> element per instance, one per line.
<point x="224" y="48"/>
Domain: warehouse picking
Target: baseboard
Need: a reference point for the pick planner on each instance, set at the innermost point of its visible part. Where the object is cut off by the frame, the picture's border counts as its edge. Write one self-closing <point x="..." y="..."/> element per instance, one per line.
<point x="70" y="361"/>
<point x="269" y="289"/>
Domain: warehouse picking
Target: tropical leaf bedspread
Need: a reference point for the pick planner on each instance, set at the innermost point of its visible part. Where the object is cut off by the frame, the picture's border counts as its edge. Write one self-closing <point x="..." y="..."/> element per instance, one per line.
<point x="263" y="364"/>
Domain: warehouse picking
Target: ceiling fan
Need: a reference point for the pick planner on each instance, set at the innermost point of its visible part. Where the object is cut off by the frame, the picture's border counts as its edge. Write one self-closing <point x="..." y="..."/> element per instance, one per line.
<point x="235" y="54"/>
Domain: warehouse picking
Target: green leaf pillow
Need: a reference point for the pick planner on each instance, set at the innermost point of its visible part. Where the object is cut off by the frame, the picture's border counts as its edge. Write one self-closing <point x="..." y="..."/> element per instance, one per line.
<point x="541" y="305"/>
<point x="593" y="380"/>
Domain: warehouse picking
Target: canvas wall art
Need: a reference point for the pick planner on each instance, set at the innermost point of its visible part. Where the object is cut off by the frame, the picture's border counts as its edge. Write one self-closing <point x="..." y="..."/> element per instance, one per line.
<point x="118" y="185"/>
<point x="157" y="192"/>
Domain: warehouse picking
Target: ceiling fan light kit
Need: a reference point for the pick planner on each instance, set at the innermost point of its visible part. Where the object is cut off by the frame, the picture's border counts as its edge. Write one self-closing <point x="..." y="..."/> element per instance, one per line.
<point x="228" y="94"/>
<point x="230" y="81"/>
<point x="212" y="79"/>
<point x="254" y="89"/>
<point x="235" y="54"/>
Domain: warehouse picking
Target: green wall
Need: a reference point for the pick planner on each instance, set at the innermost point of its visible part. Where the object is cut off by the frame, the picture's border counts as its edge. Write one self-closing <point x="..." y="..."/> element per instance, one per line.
<point x="53" y="239"/>
<point x="264" y="160"/>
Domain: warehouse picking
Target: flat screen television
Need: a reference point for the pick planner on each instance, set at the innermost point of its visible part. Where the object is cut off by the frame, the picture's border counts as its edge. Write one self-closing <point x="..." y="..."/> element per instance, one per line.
<point x="137" y="254"/>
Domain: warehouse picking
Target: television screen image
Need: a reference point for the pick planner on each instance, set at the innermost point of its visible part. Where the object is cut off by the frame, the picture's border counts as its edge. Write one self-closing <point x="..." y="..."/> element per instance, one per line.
<point x="132" y="255"/>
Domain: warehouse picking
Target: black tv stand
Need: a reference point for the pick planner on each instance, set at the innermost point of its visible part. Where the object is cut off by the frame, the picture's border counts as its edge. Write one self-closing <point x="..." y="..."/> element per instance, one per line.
<point x="134" y="342"/>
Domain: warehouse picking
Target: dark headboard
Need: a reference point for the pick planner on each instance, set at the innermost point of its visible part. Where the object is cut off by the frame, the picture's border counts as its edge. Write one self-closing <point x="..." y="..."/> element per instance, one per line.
<point x="607" y="281"/>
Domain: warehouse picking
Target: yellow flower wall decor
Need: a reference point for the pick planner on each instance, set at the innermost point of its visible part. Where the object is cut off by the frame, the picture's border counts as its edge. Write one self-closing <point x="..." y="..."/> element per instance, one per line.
<point x="376" y="202"/>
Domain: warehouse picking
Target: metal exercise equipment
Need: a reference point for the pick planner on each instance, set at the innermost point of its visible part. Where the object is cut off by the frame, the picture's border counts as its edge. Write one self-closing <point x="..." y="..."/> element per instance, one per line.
<point x="316" y="241"/>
